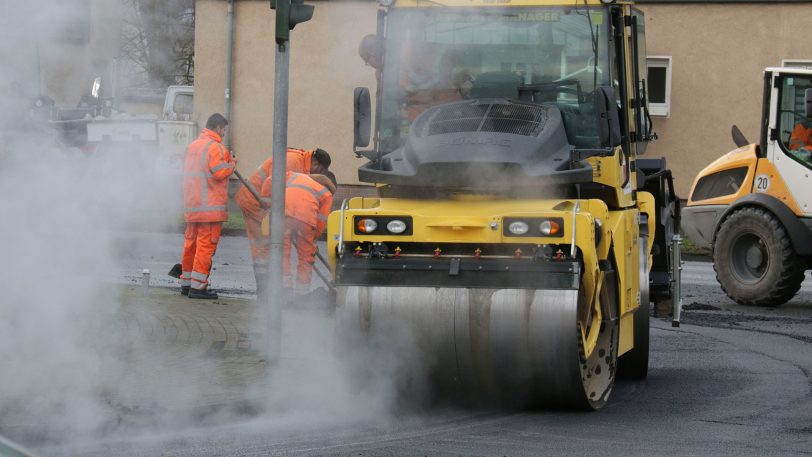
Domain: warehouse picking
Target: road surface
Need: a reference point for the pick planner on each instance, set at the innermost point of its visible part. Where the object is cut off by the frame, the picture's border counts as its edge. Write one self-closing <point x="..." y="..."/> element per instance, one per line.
<point x="730" y="381"/>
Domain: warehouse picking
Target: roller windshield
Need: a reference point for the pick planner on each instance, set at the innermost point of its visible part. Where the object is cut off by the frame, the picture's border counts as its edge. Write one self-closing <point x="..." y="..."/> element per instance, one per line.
<point x="436" y="56"/>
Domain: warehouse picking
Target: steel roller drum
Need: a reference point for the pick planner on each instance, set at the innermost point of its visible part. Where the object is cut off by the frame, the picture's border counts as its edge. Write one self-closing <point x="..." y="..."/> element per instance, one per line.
<point x="516" y="347"/>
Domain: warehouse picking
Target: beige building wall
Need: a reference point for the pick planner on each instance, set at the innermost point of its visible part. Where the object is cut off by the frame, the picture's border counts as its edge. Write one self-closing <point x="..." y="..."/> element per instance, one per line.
<point x="719" y="52"/>
<point x="718" y="55"/>
<point x="325" y="68"/>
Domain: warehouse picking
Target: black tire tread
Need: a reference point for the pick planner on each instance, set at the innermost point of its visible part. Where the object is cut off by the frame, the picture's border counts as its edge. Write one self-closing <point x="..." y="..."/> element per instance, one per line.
<point x="791" y="269"/>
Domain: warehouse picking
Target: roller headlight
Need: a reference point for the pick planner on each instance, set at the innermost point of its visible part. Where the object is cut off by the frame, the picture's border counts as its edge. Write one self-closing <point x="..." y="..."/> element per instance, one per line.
<point x="396" y="226"/>
<point x="366" y="225"/>
<point x="533" y="227"/>
<point x="518" y="228"/>
<point x="382" y="225"/>
<point x="549" y="228"/>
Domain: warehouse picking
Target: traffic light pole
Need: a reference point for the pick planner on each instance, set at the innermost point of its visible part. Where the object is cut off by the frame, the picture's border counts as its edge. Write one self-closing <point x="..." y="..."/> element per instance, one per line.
<point x="288" y="14"/>
<point x="274" y="294"/>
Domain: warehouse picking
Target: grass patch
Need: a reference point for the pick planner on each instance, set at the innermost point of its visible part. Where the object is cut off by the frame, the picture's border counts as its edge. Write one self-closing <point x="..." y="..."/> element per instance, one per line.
<point x="690" y="248"/>
<point x="235" y="220"/>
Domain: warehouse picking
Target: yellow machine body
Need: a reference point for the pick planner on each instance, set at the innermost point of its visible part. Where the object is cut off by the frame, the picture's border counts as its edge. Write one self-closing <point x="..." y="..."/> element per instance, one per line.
<point x="477" y="222"/>
<point x="565" y="306"/>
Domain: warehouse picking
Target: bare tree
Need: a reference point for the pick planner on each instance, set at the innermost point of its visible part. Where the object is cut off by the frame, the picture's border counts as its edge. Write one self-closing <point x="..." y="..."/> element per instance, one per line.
<point x="157" y="43"/>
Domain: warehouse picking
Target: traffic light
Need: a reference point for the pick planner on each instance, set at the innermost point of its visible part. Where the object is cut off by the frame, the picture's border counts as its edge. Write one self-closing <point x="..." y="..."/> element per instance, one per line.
<point x="288" y="14"/>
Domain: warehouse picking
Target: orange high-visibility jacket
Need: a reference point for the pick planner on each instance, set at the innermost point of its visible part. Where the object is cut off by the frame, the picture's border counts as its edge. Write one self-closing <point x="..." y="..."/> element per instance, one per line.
<point x="305" y="199"/>
<point x="801" y="137"/>
<point x="298" y="160"/>
<point x="205" y="185"/>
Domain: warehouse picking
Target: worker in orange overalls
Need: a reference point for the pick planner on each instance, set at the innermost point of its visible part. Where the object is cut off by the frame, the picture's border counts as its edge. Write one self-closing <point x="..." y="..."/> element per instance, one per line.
<point x="206" y="170"/>
<point x="298" y="160"/>
<point x="308" y="200"/>
<point x="800" y="141"/>
<point x="430" y="75"/>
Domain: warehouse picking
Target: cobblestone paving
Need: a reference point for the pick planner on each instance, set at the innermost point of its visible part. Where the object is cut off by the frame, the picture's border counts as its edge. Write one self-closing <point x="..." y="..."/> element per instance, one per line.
<point x="212" y="345"/>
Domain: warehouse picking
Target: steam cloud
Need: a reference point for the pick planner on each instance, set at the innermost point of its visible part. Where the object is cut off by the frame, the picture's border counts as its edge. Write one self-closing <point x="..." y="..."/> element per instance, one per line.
<point x="72" y="371"/>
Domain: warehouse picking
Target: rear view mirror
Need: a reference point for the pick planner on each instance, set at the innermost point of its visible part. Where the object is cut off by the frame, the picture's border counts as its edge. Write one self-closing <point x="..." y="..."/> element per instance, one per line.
<point x="371" y="51"/>
<point x="362" y="117"/>
<point x="606" y="116"/>
<point x="738" y="136"/>
<point x="808" y="102"/>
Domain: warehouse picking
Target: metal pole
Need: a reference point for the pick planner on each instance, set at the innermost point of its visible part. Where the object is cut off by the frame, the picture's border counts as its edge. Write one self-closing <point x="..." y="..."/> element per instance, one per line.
<point x="114" y="80"/>
<point x="280" y="141"/>
<point x="229" y="61"/>
<point x="676" y="264"/>
<point x="39" y="72"/>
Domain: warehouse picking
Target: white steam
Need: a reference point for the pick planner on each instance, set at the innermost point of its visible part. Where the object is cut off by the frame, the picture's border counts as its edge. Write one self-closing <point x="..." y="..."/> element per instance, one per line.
<point x="74" y="367"/>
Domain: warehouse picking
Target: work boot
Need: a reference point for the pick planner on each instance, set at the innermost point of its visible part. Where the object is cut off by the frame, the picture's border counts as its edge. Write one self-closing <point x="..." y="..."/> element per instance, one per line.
<point x="204" y="294"/>
<point x="184" y="290"/>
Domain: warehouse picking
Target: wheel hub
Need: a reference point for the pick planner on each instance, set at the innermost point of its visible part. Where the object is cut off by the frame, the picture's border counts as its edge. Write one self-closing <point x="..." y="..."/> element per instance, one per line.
<point x="749" y="258"/>
<point x="754" y="257"/>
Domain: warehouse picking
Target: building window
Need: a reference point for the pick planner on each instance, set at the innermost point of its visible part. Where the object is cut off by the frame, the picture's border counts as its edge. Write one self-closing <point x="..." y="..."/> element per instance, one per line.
<point x="796" y="63"/>
<point x="659" y="85"/>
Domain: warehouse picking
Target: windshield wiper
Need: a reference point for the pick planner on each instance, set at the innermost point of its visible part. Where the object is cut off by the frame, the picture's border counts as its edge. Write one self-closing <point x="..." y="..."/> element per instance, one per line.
<point x="594" y="36"/>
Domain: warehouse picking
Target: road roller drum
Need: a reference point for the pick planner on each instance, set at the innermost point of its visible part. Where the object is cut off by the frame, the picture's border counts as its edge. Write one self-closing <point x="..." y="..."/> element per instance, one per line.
<point x="517" y="347"/>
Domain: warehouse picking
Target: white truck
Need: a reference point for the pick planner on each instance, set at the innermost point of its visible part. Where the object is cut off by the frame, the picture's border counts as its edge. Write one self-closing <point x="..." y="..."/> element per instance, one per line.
<point x="166" y="136"/>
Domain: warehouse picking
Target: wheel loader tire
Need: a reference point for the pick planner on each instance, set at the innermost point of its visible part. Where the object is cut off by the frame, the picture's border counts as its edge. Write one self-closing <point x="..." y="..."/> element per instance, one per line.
<point x="754" y="259"/>
<point x="634" y="364"/>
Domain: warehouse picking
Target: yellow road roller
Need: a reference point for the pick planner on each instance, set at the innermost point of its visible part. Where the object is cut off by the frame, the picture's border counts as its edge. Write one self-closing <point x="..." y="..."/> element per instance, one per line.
<point x="515" y="236"/>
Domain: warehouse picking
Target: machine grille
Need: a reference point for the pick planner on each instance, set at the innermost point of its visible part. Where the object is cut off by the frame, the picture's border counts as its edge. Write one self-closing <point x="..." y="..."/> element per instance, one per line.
<point x="518" y="119"/>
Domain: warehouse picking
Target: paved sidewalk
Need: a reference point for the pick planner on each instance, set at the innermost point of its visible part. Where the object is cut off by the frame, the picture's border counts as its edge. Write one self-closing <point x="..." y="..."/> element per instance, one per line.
<point x="209" y="346"/>
<point x="232" y="270"/>
<point x="216" y="347"/>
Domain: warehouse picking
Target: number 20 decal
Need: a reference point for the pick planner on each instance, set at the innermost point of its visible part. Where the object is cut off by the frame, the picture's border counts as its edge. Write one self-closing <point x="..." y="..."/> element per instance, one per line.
<point x="762" y="183"/>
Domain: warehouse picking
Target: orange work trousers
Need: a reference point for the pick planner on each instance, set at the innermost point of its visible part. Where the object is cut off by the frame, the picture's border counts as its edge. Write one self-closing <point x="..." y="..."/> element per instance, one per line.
<point x="198" y="249"/>
<point x="260" y="245"/>
<point x="304" y="237"/>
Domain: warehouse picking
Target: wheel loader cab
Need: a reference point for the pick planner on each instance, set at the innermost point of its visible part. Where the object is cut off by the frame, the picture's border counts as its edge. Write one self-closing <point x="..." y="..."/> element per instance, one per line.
<point x="752" y="206"/>
<point x="509" y="236"/>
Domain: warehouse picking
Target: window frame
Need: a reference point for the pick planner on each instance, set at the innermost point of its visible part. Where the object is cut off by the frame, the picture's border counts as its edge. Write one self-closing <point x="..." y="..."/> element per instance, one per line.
<point x="659" y="109"/>
<point x="782" y="145"/>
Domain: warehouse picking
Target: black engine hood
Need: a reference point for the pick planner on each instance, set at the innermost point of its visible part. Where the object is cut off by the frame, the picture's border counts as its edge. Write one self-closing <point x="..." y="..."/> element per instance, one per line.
<point x="487" y="143"/>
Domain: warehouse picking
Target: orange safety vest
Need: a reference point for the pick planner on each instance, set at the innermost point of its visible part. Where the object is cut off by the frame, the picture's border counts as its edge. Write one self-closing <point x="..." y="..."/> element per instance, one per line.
<point x="801" y="137"/>
<point x="207" y="166"/>
<point x="298" y="160"/>
<point x="305" y="199"/>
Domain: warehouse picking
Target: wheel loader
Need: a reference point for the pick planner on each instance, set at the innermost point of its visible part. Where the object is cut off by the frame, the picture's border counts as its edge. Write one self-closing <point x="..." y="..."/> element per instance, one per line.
<point x="752" y="206"/>
<point x="515" y="228"/>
